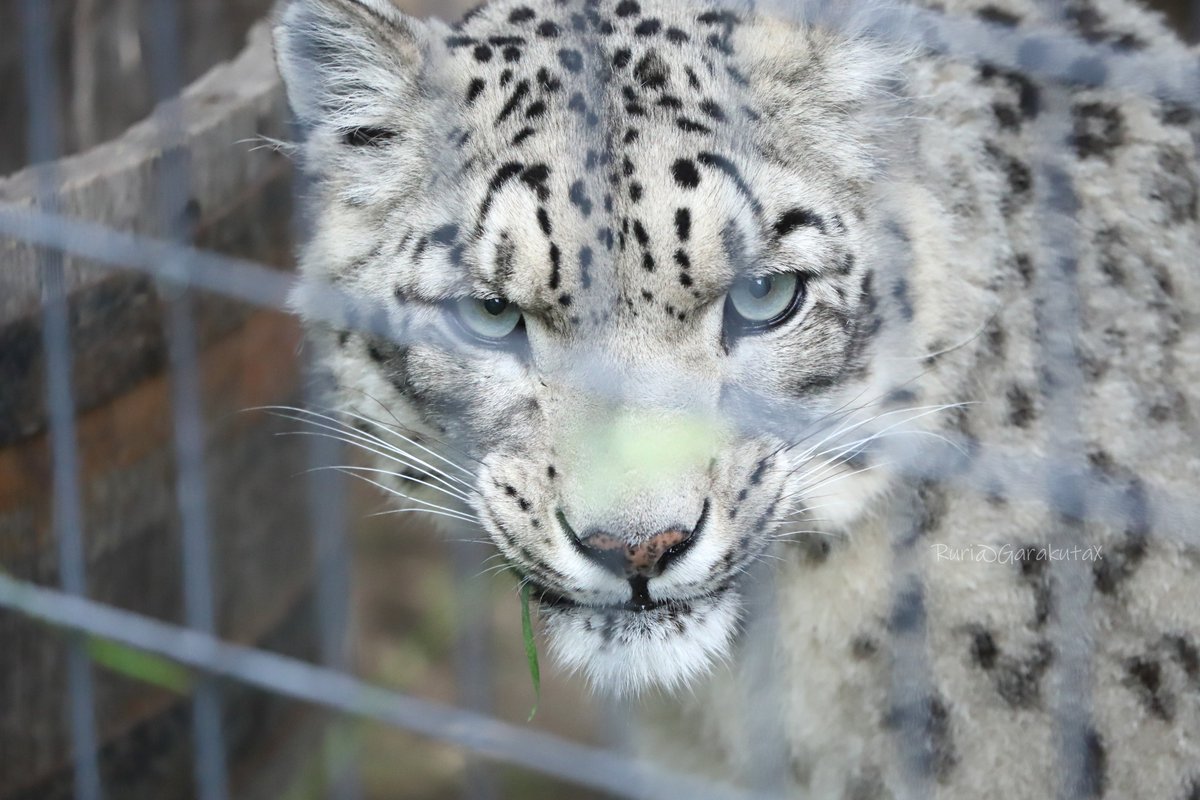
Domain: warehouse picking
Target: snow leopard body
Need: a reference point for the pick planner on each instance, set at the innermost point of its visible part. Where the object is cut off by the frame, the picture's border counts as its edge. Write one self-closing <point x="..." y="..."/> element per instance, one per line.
<point x="961" y="463"/>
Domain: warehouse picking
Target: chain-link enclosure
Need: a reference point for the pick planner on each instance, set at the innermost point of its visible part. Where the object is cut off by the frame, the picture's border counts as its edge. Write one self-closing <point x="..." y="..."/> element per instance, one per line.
<point x="194" y="600"/>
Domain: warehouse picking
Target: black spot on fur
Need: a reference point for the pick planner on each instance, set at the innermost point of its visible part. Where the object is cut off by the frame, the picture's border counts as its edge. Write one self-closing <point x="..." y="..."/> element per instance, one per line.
<point x="628" y="8"/>
<point x="548" y="82"/>
<point x="1018" y="175"/>
<point x="648" y="27"/>
<point x="998" y="16"/>
<point x="1027" y="92"/>
<point x="691" y="126"/>
<point x="863" y="647"/>
<point x="555" y="266"/>
<point x="1021" y="408"/>
<point x="483" y="54"/>
<point x="548" y="30"/>
<point x="535" y="110"/>
<point x="652" y="71"/>
<point x="639" y="231"/>
<point x="1175" y="186"/>
<point x="711" y="109"/>
<point x="564" y="300"/>
<point x="983" y="649"/>
<point x="1144" y="677"/>
<point x="685" y="173"/>
<point x="543" y="218"/>
<point x="522" y="14"/>
<point x="518" y="96"/>
<point x="474" y="90"/>
<point x="622" y="58"/>
<point x="1098" y="129"/>
<point x="535" y="177"/>
<point x="798" y="218"/>
<point x="683" y="224"/>
<point x="676" y="36"/>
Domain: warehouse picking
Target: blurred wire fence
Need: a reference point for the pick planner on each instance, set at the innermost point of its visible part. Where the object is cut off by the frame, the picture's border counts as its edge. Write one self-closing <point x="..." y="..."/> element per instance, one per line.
<point x="149" y="526"/>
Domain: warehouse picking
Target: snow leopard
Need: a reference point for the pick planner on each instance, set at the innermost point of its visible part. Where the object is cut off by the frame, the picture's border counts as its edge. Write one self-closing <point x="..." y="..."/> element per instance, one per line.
<point x="870" y="327"/>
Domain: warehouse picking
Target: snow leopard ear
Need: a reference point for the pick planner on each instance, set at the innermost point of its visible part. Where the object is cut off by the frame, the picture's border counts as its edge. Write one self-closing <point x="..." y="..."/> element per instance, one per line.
<point x="352" y="65"/>
<point x="829" y="88"/>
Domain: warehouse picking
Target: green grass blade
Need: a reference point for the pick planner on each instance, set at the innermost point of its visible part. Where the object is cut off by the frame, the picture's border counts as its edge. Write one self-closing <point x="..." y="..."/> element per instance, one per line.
<point x="530" y="650"/>
<point x="139" y="665"/>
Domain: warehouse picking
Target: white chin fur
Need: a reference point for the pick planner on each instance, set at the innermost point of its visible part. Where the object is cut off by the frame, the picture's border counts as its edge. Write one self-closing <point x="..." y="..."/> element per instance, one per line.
<point x="627" y="652"/>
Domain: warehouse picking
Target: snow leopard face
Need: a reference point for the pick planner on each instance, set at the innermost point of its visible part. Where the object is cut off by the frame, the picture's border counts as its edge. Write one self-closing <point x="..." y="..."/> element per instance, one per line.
<point x="625" y="251"/>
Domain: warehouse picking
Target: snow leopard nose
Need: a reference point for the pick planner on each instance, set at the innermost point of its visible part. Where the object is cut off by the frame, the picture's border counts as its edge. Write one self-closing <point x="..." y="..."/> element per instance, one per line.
<point x="644" y="558"/>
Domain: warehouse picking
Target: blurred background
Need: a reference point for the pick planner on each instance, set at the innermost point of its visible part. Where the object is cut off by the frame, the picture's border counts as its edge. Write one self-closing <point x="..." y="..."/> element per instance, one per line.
<point x="423" y="617"/>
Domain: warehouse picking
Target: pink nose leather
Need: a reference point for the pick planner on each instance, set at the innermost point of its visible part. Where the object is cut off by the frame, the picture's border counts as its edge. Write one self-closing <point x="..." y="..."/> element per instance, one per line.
<point x="629" y="560"/>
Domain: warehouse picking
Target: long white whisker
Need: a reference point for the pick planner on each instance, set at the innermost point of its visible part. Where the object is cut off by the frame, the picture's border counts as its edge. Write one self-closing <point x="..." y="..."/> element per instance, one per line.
<point x="351" y="430"/>
<point x="400" y="475"/>
<point x="413" y="442"/>
<point x="391" y="491"/>
<point x="433" y="511"/>
<point x="351" y="436"/>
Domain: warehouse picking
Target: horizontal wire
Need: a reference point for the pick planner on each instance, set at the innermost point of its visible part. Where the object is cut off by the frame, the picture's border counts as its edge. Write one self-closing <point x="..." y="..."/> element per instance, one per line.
<point x="495" y="739"/>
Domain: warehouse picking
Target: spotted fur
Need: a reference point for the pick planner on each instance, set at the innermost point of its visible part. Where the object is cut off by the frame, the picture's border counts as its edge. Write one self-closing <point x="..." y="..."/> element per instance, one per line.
<point x="988" y="260"/>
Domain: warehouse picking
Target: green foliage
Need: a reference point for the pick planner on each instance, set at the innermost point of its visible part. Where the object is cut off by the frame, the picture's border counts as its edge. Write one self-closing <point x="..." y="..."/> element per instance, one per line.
<point x="530" y="649"/>
<point x="139" y="665"/>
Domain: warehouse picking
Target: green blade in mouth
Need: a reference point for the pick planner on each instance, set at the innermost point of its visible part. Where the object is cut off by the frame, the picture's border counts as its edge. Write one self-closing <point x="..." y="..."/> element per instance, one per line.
<point x="530" y="648"/>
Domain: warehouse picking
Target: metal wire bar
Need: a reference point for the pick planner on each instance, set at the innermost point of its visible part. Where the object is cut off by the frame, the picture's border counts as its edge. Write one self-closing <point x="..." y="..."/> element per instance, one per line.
<point x="1053" y="55"/>
<point x="327" y="513"/>
<point x="42" y="90"/>
<point x="1058" y="311"/>
<point x="1019" y="472"/>
<point x="191" y="481"/>
<point x="492" y="738"/>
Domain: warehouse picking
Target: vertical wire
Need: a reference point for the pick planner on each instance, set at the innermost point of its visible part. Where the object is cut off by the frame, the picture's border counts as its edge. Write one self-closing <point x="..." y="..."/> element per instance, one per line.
<point x="331" y="557"/>
<point x="191" y="481"/>
<point x="45" y="136"/>
<point x="1060" y="319"/>
<point x="473" y="652"/>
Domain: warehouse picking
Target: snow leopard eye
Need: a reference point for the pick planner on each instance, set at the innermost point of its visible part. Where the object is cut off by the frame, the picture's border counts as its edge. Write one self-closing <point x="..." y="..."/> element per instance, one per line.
<point x="764" y="302"/>
<point x="490" y="321"/>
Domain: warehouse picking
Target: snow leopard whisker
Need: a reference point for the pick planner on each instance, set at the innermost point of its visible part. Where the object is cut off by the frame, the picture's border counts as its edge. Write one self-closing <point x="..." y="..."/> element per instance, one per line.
<point x="400" y="475"/>
<point x="428" y="505"/>
<point x="398" y="425"/>
<point x="833" y="479"/>
<point x="352" y="436"/>
<point x="395" y="430"/>
<point x="448" y="487"/>
<point x="350" y="429"/>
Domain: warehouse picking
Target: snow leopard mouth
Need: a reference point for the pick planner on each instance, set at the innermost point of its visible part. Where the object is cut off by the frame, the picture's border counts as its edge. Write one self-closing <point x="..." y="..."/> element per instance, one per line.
<point x="640" y="603"/>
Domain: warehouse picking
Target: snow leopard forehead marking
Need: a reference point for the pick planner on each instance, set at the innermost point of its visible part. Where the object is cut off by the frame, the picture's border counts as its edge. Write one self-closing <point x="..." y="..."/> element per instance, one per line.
<point x="608" y="163"/>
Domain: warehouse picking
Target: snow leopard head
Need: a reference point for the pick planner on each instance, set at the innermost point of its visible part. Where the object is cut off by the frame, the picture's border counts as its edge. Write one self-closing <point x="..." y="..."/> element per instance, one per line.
<point x="625" y="255"/>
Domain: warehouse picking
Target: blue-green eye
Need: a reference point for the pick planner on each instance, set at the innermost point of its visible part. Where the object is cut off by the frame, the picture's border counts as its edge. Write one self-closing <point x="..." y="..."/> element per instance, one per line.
<point x="492" y="320"/>
<point x="765" y="301"/>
